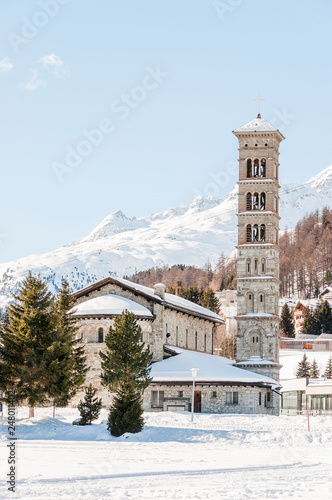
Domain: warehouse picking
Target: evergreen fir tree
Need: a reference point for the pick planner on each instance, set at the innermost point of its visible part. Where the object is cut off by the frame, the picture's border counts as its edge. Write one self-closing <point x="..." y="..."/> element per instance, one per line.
<point x="125" y="351"/>
<point x="69" y="365"/>
<point x="126" y="411"/>
<point x="37" y="347"/>
<point x="324" y="317"/>
<point x="328" y="276"/>
<point x="27" y="344"/>
<point x="328" y="369"/>
<point x="286" y="323"/>
<point x="90" y="407"/>
<point x="303" y="368"/>
<point x="125" y="368"/>
<point x="311" y="324"/>
<point x="210" y="301"/>
<point x="314" y="370"/>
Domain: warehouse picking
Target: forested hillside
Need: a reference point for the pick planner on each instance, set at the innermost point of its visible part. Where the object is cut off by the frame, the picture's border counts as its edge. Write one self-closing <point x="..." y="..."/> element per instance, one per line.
<point x="305" y="262"/>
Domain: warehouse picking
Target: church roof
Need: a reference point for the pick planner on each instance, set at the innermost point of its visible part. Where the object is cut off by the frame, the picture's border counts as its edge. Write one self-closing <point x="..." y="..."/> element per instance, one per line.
<point x="211" y="368"/>
<point x="257" y="125"/>
<point x="171" y="301"/>
<point x="110" y="305"/>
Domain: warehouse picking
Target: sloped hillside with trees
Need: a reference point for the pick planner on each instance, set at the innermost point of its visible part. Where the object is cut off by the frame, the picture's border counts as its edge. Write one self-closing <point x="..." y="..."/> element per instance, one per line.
<point x="305" y="263"/>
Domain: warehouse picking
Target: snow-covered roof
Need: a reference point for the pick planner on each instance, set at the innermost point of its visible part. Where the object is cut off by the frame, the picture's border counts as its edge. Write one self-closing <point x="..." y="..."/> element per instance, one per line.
<point x="110" y="305"/>
<point x="211" y="368"/>
<point x="256" y="360"/>
<point x="181" y="303"/>
<point x="172" y="301"/>
<point x="257" y="125"/>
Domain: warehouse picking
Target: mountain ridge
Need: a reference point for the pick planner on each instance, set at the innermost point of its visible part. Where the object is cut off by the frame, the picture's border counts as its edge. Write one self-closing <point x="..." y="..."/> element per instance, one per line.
<point x="190" y="234"/>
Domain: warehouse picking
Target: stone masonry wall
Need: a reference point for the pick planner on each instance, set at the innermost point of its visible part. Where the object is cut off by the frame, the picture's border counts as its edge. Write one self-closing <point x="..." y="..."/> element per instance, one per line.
<point x="248" y="398"/>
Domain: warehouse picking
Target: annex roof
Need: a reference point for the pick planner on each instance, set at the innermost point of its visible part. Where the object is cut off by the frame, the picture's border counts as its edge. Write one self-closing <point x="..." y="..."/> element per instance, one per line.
<point x="110" y="305"/>
<point x="211" y="368"/>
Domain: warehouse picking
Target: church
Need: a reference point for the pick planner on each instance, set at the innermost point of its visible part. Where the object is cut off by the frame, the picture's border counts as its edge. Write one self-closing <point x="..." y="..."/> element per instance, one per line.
<point x="180" y="334"/>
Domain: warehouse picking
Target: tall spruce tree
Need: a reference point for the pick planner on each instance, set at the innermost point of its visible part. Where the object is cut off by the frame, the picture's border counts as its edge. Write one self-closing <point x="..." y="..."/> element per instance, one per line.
<point x="27" y="344"/>
<point x="328" y="369"/>
<point x="125" y="351"/>
<point x="303" y="368"/>
<point x="37" y="347"/>
<point x="286" y="323"/>
<point x="314" y="369"/>
<point x="210" y="301"/>
<point x="311" y="324"/>
<point x="324" y="317"/>
<point x="125" y="369"/>
<point x="69" y="365"/>
<point x="126" y="411"/>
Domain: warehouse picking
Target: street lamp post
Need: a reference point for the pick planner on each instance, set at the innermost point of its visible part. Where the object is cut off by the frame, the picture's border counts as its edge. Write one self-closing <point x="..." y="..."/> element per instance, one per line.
<point x="194" y="373"/>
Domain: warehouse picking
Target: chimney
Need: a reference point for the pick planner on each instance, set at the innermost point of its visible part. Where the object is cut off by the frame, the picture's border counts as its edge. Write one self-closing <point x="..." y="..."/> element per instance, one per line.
<point x="159" y="289"/>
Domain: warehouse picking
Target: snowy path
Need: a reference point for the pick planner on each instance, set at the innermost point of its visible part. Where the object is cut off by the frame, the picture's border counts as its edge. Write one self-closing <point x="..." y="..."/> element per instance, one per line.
<point x="216" y="457"/>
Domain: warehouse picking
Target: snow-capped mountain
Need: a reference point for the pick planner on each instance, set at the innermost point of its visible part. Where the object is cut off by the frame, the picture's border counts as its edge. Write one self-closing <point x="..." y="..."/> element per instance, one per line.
<point x="188" y="234"/>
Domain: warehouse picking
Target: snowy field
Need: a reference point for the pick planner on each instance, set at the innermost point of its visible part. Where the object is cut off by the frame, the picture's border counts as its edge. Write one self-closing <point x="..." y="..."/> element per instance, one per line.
<point x="216" y="457"/>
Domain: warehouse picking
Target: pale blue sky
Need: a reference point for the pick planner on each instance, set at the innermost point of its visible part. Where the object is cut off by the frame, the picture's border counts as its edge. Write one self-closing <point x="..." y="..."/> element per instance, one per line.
<point x="178" y="134"/>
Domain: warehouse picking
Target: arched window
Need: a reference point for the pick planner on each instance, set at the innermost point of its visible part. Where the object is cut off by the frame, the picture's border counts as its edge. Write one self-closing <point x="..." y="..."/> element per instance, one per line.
<point x="177" y="335"/>
<point x="263" y="266"/>
<point x="100" y="335"/>
<point x="262" y="232"/>
<point x="187" y="338"/>
<point x="250" y="302"/>
<point x="256" y="168"/>
<point x="255" y="233"/>
<point x="205" y="342"/>
<point x="248" y="265"/>
<point x="248" y="233"/>
<point x="255" y="201"/>
<point x="261" y="303"/>
<point x="249" y="168"/>
<point x="263" y="167"/>
<point x="256" y="266"/>
<point x="195" y="341"/>
<point x="249" y="206"/>
<point x="262" y="205"/>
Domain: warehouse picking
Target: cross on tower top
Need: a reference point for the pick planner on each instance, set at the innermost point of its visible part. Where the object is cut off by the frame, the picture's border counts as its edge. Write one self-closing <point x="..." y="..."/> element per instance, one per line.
<point x="259" y="99"/>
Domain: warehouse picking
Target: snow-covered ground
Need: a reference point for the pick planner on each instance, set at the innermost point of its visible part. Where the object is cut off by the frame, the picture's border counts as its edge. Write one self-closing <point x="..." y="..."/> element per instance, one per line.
<point x="216" y="457"/>
<point x="289" y="359"/>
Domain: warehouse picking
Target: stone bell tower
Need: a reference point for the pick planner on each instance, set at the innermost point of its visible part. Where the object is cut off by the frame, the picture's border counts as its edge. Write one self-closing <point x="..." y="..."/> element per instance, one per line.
<point x="258" y="248"/>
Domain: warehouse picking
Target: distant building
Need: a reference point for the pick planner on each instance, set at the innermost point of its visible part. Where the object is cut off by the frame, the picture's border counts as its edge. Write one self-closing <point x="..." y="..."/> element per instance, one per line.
<point x="228" y="309"/>
<point x="300" y="393"/>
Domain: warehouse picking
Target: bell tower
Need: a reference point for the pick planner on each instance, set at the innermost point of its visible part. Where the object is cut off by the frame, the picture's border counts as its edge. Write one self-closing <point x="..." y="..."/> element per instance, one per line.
<point x="258" y="248"/>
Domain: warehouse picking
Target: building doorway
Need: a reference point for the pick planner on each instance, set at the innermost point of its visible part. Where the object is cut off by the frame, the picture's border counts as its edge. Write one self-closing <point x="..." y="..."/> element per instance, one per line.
<point x="197" y="401"/>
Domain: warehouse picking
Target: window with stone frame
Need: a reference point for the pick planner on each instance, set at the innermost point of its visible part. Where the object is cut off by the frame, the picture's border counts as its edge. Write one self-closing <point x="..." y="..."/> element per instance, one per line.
<point x="100" y="335"/>
<point x="249" y="235"/>
<point x="255" y="201"/>
<point x="157" y="399"/>
<point x="187" y="338"/>
<point x="249" y="201"/>
<point x="262" y="232"/>
<point x="256" y="167"/>
<point x="196" y="335"/>
<point x="263" y="167"/>
<point x="180" y="394"/>
<point x="249" y="168"/>
<point x="262" y="202"/>
<point x="214" y="394"/>
<point x="232" y="398"/>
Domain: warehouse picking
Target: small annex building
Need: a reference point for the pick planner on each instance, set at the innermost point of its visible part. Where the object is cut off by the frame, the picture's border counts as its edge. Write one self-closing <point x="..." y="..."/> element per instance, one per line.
<point x="163" y="317"/>
<point x="220" y="386"/>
